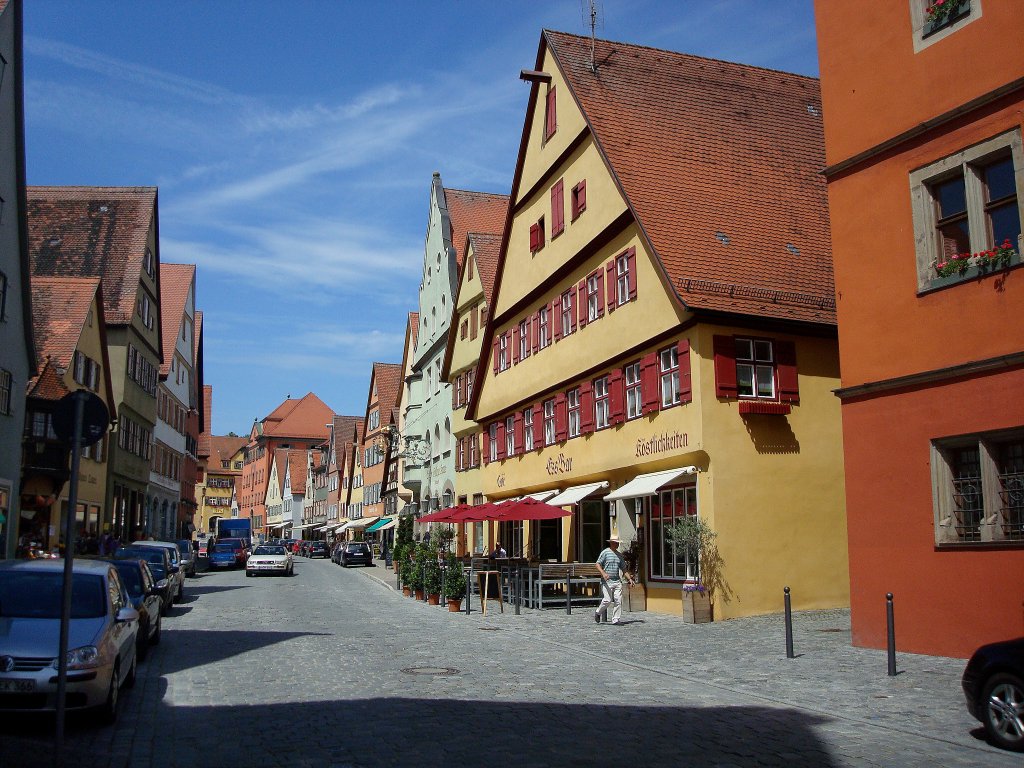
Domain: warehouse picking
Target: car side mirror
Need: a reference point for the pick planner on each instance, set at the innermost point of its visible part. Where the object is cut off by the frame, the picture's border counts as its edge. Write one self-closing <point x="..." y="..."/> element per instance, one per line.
<point x="127" y="614"/>
<point x="160" y="585"/>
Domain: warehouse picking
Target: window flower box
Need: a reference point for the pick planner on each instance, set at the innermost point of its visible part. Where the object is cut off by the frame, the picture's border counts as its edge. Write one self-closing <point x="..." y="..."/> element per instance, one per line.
<point x="943" y="13"/>
<point x="977" y="264"/>
<point x="763" y="408"/>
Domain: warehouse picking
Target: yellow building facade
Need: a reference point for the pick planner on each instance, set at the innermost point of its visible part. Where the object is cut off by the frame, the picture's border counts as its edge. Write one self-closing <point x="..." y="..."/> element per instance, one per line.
<point x="655" y="350"/>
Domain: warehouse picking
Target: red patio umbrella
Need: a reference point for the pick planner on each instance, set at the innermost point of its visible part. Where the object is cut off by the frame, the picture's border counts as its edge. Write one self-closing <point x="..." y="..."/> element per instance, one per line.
<point x="529" y="509"/>
<point x="440" y="516"/>
<point x="476" y="513"/>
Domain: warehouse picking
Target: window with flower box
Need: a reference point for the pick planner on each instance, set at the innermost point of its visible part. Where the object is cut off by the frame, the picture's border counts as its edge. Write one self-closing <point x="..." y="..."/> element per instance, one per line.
<point x="935" y="20"/>
<point x="755" y="368"/>
<point x="967" y="212"/>
<point x="978" y="488"/>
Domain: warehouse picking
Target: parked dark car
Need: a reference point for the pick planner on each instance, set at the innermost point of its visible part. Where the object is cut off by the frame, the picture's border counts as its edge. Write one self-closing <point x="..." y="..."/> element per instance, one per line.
<point x="177" y="573"/>
<point x="159" y="562"/>
<point x="223" y="556"/>
<point x="993" y="683"/>
<point x="355" y="553"/>
<point x="317" y="549"/>
<point x="145" y="598"/>
<point x="188" y="556"/>
<point x="238" y="547"/>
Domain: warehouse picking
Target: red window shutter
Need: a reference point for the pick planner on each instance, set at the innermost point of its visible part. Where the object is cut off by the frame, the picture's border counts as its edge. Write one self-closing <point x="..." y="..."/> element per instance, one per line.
<point x="616" y="397"/>
<point x="556" y="317"/>
<point x="609" y="284"/>
<point x="455" y="395"/>
<point x="458" y="456"/>
<point x="586" y="408"/>
<point x="551" y="121"/>
<point x="600" y="292"/>
<point x="650" y="383"/>
<point x="518" y="434"/>
<point x="515" y="345"/>
<point x="725" y="366"/>
<point x="631" y="260"/>
<point x="486" y="437"/>
<point x="572" y="317"/>
<point x="501" y="439"/>
<point x="685" y="384"/>
<point x="463" y="389"/>
<point x="472" y="323"/>
<point x="789" y="385"/>
<point x="581" y="303"/>
<point x="538" y="425"/>
<point x="557" y="209"/>
<point x="536" y="332"/>
<point x="494" y="354"/>
<point x="534" y="237"/>
<point x="561" y="418"/>
<point x="579" y="199"/>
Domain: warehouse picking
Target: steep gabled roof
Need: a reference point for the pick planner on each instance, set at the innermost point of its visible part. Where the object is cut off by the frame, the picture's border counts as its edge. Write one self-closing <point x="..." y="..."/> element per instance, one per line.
<point x="281" y="466"/>
<point x="473" y="212"/>
<point x="414" y="326"/>
<point x="93" y="232"/>
<point x="223" y="448"/>
<point x="307" y="417"/>
<point x="486" y="248"/>
<point x="49" y="384"/>
<point x="297" y="468"/>
<point x="343" y="430"/>
<point x="61" y="308"/>
<point x="204" y="445"/>
<point x="720" y="164"/>
<point x="388" y="378"/>
<point x="175" y="282"/>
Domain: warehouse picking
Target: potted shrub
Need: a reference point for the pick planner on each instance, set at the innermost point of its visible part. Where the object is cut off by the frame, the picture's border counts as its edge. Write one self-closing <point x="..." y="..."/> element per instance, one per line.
<point x="432" y="577"/>
<point x="698" y="538"/>
<point x="454" y="584"/>
<point x="400" y="562"/>
<point x="416" y="570"/>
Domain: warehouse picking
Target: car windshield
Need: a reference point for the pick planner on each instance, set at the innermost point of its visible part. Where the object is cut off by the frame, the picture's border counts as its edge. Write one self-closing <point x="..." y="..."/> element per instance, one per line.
<point x="356" y="547"/>
<point x="131" y="577"/>
<point x="269" y="550"/>
<point x="185" y="547"/>
<point x="223" y="548"/>
<point x="154" y="557"/>
<point x="37" y="595"/>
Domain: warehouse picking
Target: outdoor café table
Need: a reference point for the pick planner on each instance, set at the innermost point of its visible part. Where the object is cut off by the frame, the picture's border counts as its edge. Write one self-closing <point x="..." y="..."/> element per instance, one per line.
<point x="483" y="579"/>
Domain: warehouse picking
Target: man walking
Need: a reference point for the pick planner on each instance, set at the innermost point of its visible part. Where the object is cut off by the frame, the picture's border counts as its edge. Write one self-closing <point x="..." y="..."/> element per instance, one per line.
<point x="612" y="567"/>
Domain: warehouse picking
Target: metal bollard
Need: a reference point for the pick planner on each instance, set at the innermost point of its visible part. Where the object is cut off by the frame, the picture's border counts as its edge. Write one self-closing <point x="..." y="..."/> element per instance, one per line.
<point x="469" y="590"/>
<point x="568" y="594"/>
<point x="789" y="626"/>
<point x="517" y="582"/>
<point x="891" y="633"/>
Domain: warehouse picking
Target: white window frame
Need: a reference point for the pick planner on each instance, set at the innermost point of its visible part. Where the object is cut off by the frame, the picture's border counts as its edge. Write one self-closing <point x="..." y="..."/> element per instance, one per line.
<point x="567" y="309"/>
<point x="622" y="278"/>
<point x="550" y="431"/>
<point x="661" y="552"/>
<point x="528" y="429"/>
<point x="524" y="340"/>
<point x="668" y="376"/>
<point x="634" y="391"/>
<point x="510" y="436"/>
<point x="572" y="404"/>
<point x="593" y="286"/>
<point x="545" y="327"/>
<point x="492" y="434"/>
<point x="602" y="403"/>
<point x="927" y="247"/>
<point x="756" y="362"/>
<point x="503" y="352"/>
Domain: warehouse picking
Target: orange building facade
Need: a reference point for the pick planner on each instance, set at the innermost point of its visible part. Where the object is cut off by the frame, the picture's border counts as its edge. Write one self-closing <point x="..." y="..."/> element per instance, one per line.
<point x="926" y="185"/>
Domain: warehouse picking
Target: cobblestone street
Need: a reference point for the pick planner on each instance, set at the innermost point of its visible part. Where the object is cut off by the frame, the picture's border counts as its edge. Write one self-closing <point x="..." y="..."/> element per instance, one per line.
<point x="334" y="668"/>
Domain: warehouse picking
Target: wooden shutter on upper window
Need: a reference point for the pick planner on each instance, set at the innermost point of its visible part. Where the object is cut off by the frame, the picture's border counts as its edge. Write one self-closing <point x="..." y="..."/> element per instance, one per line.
<point x="685" y="384"/>
<point x="610" y="287"/>
<point x="631" y="260"/>
<point x="486" y="452"/>
<point x="494" y="354"/>
<point x="501" y="439"/>
<point x="472" y="323"/>
<point x="650" y="383"/>
<point x="555" y="317"/>
<point x="789" y="386"/>
<point x="586" y="408"/>
<point x="536" y="332"/>
<point x="455" y="394"/>
<point x="538" y="425"/>
<point x="581" y="302"/>
<point x="534" y="237"/>
<point x="725" y="366"/>
<point x="579" y="199"/>
<point x="600" y="292"/>
<point x="616" y="399"/>
<point x="551" y="119"/>
<point x="518" y="433"/>
<point x="561" y="417"/>
<point x="515" y="345"/>
<point x="557" y="209"/>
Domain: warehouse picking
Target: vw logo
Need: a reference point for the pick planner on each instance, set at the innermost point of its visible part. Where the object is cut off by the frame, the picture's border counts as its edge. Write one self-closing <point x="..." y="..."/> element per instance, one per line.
<point x="6" y="663"/>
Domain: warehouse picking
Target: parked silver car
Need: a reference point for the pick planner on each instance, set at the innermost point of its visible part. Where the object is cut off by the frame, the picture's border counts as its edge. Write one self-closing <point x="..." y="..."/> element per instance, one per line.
<point x="102" y="640"/>
<point x="177" y="574"/>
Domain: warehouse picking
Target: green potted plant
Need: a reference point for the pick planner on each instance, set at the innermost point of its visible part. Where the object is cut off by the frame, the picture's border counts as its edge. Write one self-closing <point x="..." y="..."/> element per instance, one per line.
<point x="432" y="576"/>
<point x="416" y="569"/>
<point x="454" y="584"/>
<point x="399" y="556"/>
<point x="696" y="536"/>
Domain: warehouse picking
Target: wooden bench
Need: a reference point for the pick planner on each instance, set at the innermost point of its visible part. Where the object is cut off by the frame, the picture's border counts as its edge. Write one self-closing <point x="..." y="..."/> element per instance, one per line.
<point x="549" y="586"/>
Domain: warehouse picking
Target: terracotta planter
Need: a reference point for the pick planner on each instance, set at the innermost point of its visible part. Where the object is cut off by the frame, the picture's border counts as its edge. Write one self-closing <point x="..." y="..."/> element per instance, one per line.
<point x="407" y="591"/>
<point x="419" y="594"/>
<point x="454" y="604"/>
<point x="635" y="598"/>
<point x="697" y="607"/>
<point x="433" y="599"/>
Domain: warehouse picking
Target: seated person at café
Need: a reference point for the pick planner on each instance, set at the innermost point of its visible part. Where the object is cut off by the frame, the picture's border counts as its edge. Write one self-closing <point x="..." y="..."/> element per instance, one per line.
<point x="498" y="551"/>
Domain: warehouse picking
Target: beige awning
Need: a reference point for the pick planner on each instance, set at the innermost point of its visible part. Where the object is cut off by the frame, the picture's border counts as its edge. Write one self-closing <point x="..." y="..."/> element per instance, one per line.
<point x="645" y="485"/>
<point x="359" y="522"/>
<point x="575" y="493"/>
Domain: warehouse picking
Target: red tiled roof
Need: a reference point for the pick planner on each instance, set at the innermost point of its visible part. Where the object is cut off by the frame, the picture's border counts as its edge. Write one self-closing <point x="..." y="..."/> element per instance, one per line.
<point x="474" y="212"/>
<point x="414" y="326"/>
<point x="297" y="468"/>
<point x="307" y="417"/>
<point x="701" y="147"/>
<point x="343" y="426"/>
<point x="223" y="448"/>
<point x="93" y="232"/>
<point x="197" y="334"/>
<point x="485" y="249"/>
<point x="175" y="282"/>
<point x="204" y="447"/>
<point x="60" y="307"/>
<point x="280" y="461"/>
<point x="388" y="377"/>
<point x="49" y="384"/>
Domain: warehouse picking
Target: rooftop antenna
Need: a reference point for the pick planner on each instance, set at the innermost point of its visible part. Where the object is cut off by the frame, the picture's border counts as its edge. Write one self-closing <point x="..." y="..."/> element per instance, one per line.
<point x="593" y="16"/>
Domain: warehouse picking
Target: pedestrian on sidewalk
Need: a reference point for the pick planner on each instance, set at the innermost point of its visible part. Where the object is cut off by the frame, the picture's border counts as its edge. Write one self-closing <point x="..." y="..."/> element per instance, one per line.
<point x="612" y="567"/>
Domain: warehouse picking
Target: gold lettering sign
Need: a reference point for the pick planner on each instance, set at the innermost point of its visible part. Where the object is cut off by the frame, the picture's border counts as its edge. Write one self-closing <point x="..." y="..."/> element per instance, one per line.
<point x="661" y="443"/>
<point x="560" y="465"/>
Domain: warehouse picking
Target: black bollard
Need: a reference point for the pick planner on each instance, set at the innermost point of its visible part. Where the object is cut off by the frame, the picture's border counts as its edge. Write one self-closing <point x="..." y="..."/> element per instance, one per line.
<point x="469" y="589"/>
<point x="568" y="593"/>
<point x="789" y="626"/>
<point x="518" y="584"/>
<point x="891" y="633"/>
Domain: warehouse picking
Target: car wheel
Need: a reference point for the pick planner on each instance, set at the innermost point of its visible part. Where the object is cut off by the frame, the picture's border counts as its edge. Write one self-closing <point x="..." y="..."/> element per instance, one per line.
<point x="155" y="640"/>
<point x="248" y="574"/>
<point x="1003" y="702"/>
<point x="129" y="680"/>
<point x="108" y="709"/>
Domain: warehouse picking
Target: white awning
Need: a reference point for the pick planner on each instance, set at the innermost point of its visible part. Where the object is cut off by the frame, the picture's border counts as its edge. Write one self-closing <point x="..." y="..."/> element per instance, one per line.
<point x="541" y="495"/>
<point x="360" y="522"/>
<point x="280" y="525"/>
<point x="300" y="527"/>
<point x="323" y="527"/>
<point x="645" y="485"/>
<point x="575" y="493"/>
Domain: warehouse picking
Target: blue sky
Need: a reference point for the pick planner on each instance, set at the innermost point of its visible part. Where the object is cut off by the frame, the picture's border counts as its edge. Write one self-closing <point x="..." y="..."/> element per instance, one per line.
<point x="293" y="145"/>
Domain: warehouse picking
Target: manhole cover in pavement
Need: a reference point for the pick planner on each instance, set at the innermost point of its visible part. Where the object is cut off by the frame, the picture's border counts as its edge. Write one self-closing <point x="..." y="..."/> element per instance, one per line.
<point x="433" y="671"/>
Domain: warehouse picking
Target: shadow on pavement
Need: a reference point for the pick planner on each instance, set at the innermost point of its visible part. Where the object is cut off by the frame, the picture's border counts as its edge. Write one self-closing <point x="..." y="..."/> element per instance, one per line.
<point x="427" y="732"/>
<point x="190" y="590"/>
